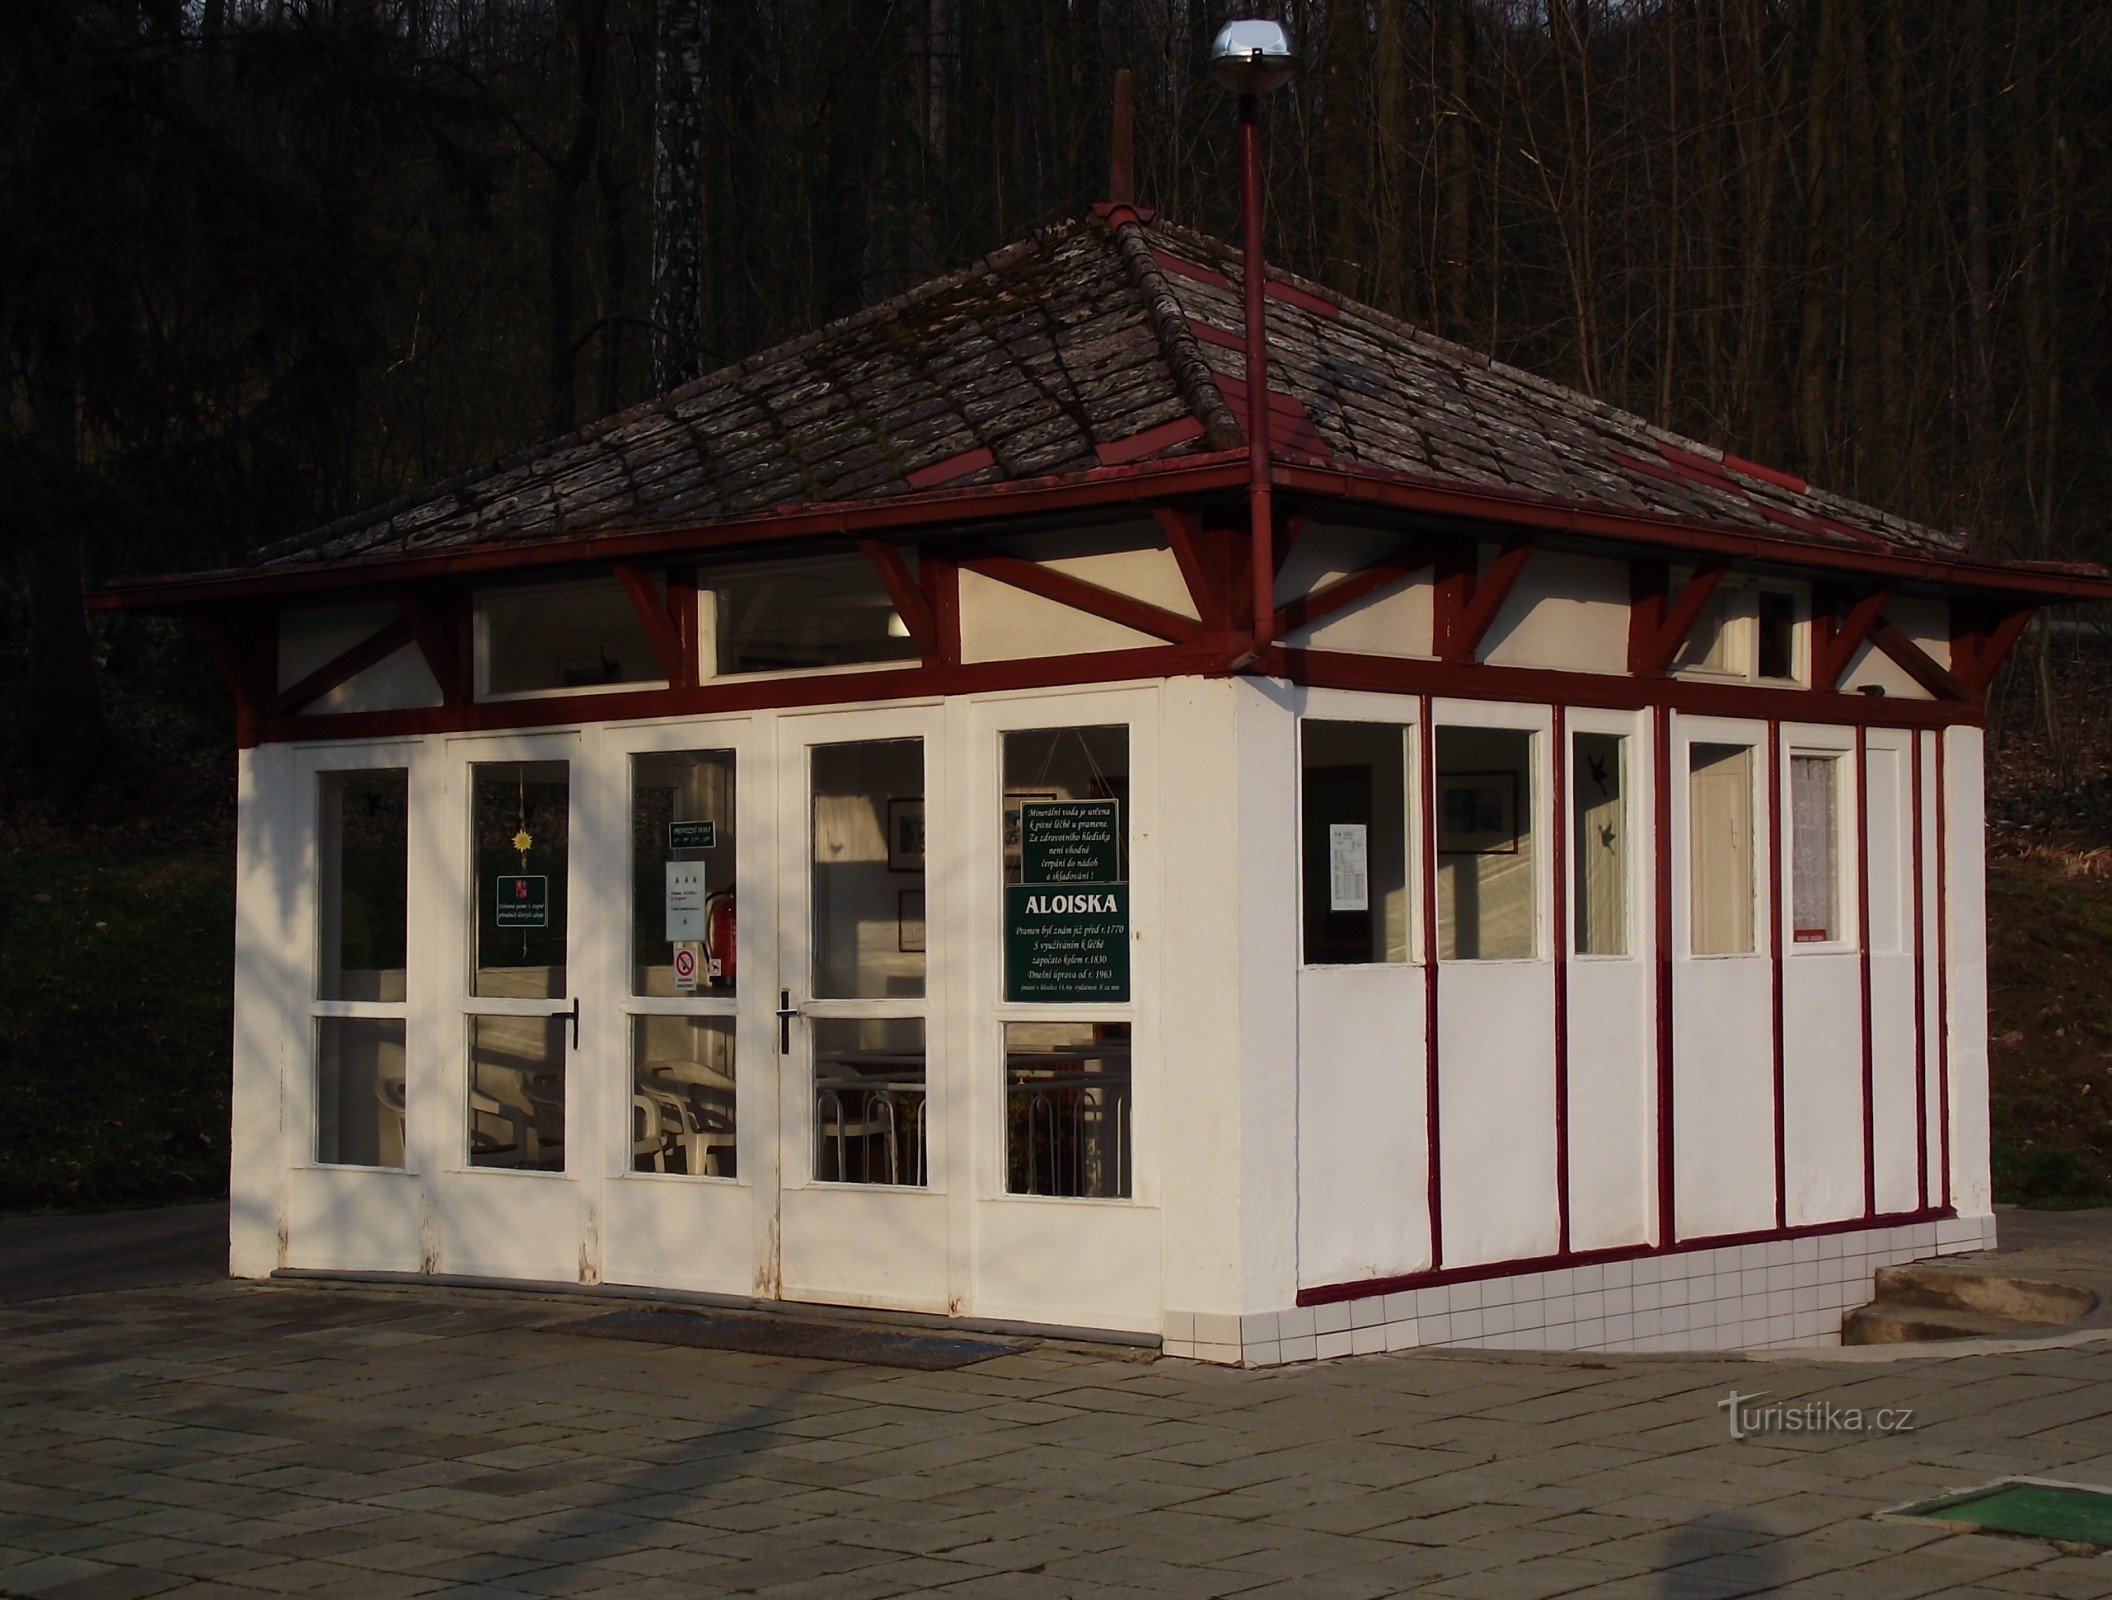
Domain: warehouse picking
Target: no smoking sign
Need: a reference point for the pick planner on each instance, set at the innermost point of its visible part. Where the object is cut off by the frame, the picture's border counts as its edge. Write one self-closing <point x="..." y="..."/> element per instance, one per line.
<point x="685" y="968"/>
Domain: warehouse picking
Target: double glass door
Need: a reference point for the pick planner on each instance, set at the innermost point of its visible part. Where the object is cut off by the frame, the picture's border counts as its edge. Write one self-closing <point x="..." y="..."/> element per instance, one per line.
<point x="696" y="1004"/>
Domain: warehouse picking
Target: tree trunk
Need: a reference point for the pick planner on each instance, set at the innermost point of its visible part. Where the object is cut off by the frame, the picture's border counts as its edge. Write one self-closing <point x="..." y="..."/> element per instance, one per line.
<point x="66" y="741"/>
<point x="678" y="194"/>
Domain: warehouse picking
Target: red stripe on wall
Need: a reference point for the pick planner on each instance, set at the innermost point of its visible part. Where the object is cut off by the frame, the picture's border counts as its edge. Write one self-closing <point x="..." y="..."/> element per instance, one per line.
<point x="1428" y="786"/>
<point x="1862" y="926"/>
<point x="1662" y="824"/>
<point x="1921" y="1002"/>
<point x="1559" y="811"/>
<point x="1943" y="978"/>
<point x="1774" y="951"/>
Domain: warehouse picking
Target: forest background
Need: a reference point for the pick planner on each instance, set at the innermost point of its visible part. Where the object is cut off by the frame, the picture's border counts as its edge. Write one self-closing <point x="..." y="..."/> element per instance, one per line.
<point x="263" y="262"/>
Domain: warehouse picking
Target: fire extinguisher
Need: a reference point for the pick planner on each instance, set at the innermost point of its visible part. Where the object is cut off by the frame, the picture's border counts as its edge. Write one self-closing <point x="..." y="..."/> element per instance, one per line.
<point x="719" y="936"/>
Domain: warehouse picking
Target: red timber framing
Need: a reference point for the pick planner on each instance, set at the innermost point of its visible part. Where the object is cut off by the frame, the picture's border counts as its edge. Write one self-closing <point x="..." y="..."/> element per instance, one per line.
<point x="669" y="622"/>
<point x="1465" y="602"/>
<point x="921" y="576"/>
<point x="1659" y="621"/>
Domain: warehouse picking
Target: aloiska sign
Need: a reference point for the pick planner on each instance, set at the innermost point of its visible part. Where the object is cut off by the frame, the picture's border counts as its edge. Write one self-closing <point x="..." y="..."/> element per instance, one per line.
<point x="1067" y="922"/>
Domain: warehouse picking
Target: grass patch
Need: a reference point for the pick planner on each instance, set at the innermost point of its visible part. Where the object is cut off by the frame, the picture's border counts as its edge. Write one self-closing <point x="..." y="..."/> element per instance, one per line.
<point x="116" y="1017"/>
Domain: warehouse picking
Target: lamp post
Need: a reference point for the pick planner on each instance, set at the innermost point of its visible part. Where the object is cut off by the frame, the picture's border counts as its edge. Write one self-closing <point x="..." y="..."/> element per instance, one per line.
<point x="1251" y="58"/>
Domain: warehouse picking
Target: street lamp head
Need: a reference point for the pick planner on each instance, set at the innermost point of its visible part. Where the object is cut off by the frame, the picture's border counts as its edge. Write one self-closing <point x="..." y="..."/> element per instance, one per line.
<point x="1252" y="57"/>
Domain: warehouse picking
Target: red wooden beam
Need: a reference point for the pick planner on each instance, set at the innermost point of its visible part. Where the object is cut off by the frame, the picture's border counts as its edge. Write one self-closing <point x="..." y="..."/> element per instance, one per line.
<point x="1835" y="639"/>
<point x="1979" y="648"/>
<point x="1916" y="662"/>
<point x="1475" y="680"/>
<point x="1487" y="596"/>
<point x="1200" y="569"/>
<point x="662" y="631"/>
<point x="908" y="597"/>
<point x="1348" y="589"/>
<point x="238" y="654"/>
<point x="439" y="624"/>
<point x="378" y="646"/>
<point x="1088" y="597"/>
<point x="1658" y="621"/>
<point x="940" y="579"/>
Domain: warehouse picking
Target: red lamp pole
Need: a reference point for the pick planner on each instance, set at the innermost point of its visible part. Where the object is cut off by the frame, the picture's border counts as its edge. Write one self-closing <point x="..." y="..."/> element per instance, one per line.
<point x="1261" y="515"/>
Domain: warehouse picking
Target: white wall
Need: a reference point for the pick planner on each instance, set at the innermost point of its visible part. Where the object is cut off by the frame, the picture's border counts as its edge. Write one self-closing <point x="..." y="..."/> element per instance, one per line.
<point x="1001" y="623"/>
<point x="1723" y="1096"/>
<point x="1971" y="1192"/>
<point x="309" y="639"/>
<point x="1566" y="612"/>
<point x="1363" y="1140"/>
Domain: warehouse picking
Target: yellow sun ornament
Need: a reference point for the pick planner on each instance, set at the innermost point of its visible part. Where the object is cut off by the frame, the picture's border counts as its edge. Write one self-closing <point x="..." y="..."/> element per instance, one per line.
<point x="523" y="841"/>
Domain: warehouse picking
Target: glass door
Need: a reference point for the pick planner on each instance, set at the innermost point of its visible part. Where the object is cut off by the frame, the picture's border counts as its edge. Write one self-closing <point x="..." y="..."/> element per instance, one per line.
<point x="864" y="1218"/>
<point x="522" y="1124"/>
<point x="520" y="1010"/>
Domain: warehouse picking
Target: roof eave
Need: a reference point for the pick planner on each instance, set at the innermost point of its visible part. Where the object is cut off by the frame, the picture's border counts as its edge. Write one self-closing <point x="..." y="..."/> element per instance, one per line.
<point x="1512" y="510"/>
<point x="930" y="510"/>
<point x="1142" y="482"/>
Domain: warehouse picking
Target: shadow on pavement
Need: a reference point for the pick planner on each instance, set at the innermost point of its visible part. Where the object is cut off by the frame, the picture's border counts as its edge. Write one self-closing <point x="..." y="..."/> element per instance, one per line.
<point x="44" y="1257"/>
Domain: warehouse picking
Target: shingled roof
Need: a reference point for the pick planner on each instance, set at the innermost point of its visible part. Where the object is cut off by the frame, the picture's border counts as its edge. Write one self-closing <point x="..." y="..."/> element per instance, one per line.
<point x="1092" y="344"/>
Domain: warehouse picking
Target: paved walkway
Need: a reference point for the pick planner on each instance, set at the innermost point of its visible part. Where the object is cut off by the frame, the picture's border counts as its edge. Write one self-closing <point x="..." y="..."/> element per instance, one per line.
<point x="350" y="1441"/>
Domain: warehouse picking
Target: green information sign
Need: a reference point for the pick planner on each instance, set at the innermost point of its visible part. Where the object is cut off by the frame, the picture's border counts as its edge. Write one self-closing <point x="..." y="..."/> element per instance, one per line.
<point x="523" y="901"/>
<point x="692" y="835"/>
<point x="1067" y="943"/>
<point x="1070" y="841"/>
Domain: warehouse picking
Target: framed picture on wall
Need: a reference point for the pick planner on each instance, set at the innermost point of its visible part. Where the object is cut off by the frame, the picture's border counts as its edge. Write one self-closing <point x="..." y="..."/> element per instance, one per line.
<point x="1014" y="799"/>
<point x="909" y="920"/>
<point x="905" y="836"/>
<point x="1477" y="813"/>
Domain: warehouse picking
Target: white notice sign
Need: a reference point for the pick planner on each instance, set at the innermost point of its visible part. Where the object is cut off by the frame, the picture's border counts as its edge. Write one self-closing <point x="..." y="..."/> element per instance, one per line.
<point x="685" y="900"/>
<point x="1348" y="884"/>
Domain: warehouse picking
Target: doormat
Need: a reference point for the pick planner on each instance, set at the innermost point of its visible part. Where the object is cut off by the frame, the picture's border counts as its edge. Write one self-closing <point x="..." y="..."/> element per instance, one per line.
<point x="2067" y="1514"/>
<point x="789" y="1336"/>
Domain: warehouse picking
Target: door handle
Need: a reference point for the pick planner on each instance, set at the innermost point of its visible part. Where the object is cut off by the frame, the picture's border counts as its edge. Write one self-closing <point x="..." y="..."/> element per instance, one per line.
<point x="786" y="1011"/>
<point x="574" y="1015"/>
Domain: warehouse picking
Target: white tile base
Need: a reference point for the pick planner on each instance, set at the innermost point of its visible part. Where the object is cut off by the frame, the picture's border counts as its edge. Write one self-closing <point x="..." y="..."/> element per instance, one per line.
<point x="1786" y="1292"/>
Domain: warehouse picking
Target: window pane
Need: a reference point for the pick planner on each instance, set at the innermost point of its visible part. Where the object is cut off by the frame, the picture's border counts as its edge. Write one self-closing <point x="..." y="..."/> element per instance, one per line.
<point x="1486" y="906"/>
<point x="1355" y="788"/>
<point x="868" y="883"/>
<point x="1067" y="1109"/>
<point x="563" y="636"/>
<point x="682" y="816"/>
<point x="1778" y="631"/>
<point x="363" y="861"/>
<point x="359" y="1091"/>
<point x="521" y="814"/>
<point x="1720" y="834"/>
<point x="1815" y="865"/>
<point x="1598" y="843"/>
<point x="789" y="615"/>
<point x="682" y="1095"/>
<point x="517" y="1092"/>
<point x="869" y="1100"/>
<point x="1046" y="765"/>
